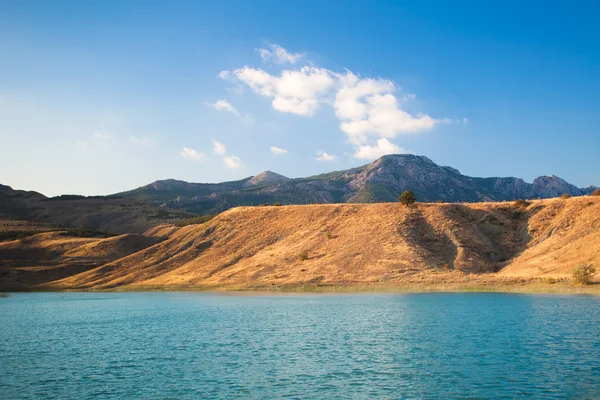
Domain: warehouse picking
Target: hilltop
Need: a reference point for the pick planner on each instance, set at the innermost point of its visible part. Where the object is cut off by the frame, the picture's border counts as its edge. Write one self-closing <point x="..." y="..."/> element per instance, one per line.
<point x="381" y="181"/>
<point x="360" y="244"/>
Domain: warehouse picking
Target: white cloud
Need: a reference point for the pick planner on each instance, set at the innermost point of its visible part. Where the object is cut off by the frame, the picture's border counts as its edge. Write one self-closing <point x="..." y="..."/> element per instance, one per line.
<point x="232" y="162"/>
<point x="465" y="121"/>
<point x="368" y="109"/>
<point x="277" y="150"/>
<point x="224" y="105"/>
<point x="224" y="75"/>
<point x="323" y="156"/>
<point x="384" y="118"/>
<point x="278" y="54"/>
<point x="218" y="147"/>
<point x="382" y="148"/>
<point x="141" y="141"/>
<point x="365" y="106"/>
<point x="294" y="91"/>
<point x="191" y="154"/>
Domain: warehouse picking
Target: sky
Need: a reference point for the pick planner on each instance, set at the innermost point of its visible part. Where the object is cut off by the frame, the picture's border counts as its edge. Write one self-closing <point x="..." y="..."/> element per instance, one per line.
<point x="100" y="96"/>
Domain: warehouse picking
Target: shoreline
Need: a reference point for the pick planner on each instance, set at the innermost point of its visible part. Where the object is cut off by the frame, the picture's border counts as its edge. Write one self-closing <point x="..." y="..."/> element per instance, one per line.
<point x="559" y="288"/>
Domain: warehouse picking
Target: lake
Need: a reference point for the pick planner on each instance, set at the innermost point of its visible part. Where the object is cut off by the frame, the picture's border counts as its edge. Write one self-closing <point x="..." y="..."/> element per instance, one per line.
<point x="199" y="345"/>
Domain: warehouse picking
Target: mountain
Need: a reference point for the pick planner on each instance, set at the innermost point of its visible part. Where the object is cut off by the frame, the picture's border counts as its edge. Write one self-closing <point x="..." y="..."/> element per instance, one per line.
<point x="381" y="181"/>
<point x="266" y="178"/>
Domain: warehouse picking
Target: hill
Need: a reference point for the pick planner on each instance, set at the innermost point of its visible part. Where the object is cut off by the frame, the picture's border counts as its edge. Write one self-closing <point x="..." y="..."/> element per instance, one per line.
<point x="103" y="213"/>
<point x="381" y="181"/>
<point x="46" y="257"/>
<point x="363" y="244"/>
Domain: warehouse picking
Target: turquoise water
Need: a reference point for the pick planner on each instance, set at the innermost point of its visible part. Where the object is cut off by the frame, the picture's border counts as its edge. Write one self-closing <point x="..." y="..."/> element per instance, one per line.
<point x="195" y="345"/>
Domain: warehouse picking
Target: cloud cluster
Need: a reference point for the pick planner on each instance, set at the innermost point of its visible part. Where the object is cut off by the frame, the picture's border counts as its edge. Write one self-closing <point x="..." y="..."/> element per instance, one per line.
<point x="191" y="154"/>
<point x="368" y="108"/>
<point x="323" y="156"/>
<point x="277" y="150"/>
<point x="279" y="55"/>
<point x="231" y="161"/>
<point x="218" y="147"/>
<point x="294" y="91"/>
<point x="224" y="105"/>
<point x="381" y="148"/>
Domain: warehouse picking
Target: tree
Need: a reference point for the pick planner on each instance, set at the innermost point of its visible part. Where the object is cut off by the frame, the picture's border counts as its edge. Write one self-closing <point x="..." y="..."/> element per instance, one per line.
<point x="596" y="192"/>
<point x="407" y="198"/>
<point x="583" y="273"/>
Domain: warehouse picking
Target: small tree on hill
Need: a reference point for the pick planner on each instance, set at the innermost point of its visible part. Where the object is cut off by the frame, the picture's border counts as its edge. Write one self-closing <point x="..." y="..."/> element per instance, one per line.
<point x="407" y="198"/>
<point x="596" y="192"/>
<point x="565" y="196"/>
<point x="583" y="273"/>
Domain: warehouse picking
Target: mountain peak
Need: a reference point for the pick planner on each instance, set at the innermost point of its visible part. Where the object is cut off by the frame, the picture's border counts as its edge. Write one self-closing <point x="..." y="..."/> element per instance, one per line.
<point x="553" y="186"/>
<point x="266" y="177"/>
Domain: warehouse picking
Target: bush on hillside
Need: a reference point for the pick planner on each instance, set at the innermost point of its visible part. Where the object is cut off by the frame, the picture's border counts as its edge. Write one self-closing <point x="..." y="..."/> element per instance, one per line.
<point x="583" y="274"/>
<point x="407" y="198"/>
<point x="596" y="192"/>
<point x="277" y="204"/>
<point x="303" y="256"/>
<point x="565" y="196"/>
<point x="522" y="203"/>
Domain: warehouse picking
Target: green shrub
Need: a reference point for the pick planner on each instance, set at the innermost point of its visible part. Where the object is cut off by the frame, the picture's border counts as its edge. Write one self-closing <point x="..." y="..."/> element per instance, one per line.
<point x="303" y="256"/>
<point x="596" y="192"/>
<point x="328" y="235"/>
<point x="551" y="281"/>
<point x="565" y="196"/>
<point x="277" y="204"/>
<point x="407" y="198"/>
<point x="583" y="273"/>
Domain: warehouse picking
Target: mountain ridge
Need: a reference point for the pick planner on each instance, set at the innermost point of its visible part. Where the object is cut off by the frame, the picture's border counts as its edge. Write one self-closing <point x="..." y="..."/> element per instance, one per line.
<point x="380" y="181"/>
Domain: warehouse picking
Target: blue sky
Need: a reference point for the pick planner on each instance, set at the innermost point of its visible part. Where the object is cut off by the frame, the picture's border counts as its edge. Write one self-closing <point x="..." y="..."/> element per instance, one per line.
<point x="98" y="97"/>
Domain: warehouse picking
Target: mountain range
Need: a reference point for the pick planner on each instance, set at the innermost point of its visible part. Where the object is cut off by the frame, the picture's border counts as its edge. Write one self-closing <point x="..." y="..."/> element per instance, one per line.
<point x="170" y="201"/>
<point x="381" y="181"/>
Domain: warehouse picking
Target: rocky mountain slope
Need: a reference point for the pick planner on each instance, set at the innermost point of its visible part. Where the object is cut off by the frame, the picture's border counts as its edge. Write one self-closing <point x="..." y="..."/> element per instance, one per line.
<point x="381" y="181"/>
<point x="361" y="244"/>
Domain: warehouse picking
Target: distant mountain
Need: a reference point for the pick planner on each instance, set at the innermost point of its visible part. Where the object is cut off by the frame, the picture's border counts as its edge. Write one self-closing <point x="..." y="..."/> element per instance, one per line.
<point x="381" y="181"/>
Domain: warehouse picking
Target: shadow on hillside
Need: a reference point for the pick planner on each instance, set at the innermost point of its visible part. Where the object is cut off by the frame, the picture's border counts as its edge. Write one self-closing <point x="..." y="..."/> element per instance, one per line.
<point x="419" y="233"/>
<point x="491" y="237"/>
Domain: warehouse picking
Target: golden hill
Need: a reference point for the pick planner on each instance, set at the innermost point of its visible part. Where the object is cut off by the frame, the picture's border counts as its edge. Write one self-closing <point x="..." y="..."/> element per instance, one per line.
<point x="35" y="261"/>
<point x="362" y="244"/>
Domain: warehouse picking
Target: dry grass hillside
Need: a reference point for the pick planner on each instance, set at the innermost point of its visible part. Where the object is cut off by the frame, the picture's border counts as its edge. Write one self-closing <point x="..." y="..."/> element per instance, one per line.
<point x="362" y="244"/>
<point x="39" y="259"/>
